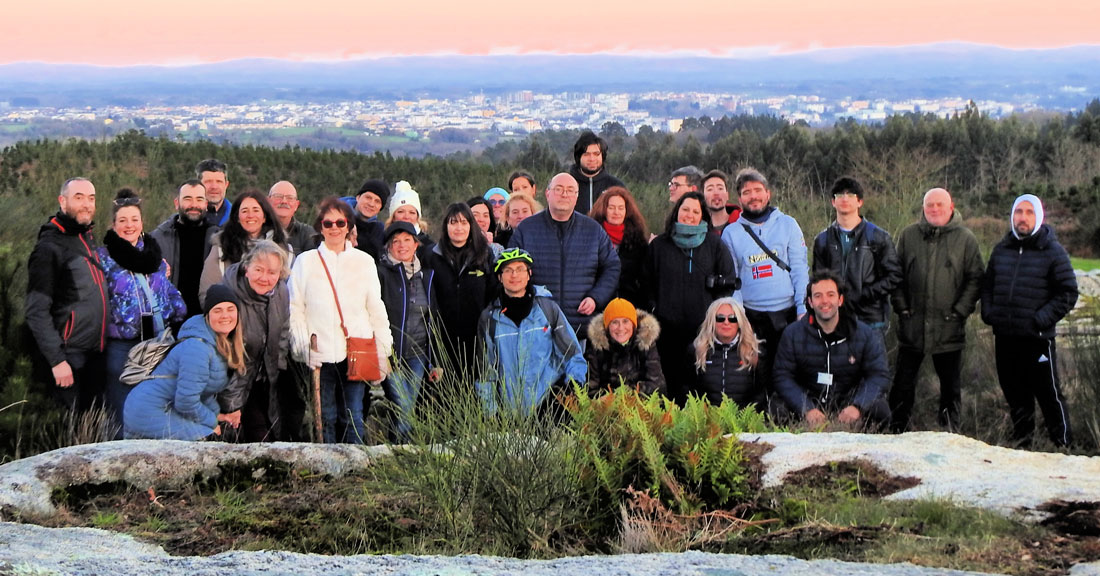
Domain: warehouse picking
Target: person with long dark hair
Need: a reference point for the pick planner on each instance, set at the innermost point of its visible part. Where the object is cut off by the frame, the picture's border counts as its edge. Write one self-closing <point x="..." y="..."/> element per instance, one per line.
<point x="250" y="219"/>
<point x="617" y="211"/>
<point x="486" y="222"/>
<point x="143" y="302"/>
<point x="465" y="282"/>
<point x="690" y="268"/>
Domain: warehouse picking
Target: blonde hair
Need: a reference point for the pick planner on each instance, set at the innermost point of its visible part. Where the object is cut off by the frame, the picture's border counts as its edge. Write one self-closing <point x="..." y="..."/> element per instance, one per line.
<point x="231" y="346"/>
<point x="520" y="197"/>
<point x="749" y="347"/>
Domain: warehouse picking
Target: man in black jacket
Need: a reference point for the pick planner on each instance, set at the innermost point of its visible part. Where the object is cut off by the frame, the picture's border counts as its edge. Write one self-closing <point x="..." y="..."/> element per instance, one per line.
<point x="184" y="240"/>
<point x="1028" y="287"/>
<point x="66" y="305"/>
<point x="590" y="170"/>
<point x="862" y="254"/>
<point x="831" y="363"/>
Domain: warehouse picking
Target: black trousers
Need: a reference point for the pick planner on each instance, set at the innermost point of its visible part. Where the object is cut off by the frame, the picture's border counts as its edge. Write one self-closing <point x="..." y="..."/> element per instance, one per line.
<point x="89" y="372"/>
<point x="948" y="367"/>
<point x="1027" y="371"/>
<point x="676" y="361"/>
<point x="769" y="327"/>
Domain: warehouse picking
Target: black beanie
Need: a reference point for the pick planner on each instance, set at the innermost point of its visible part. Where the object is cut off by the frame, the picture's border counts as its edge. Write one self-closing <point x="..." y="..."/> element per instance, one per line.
<point x="217" y="294"/>
<point x="377" y="187"/>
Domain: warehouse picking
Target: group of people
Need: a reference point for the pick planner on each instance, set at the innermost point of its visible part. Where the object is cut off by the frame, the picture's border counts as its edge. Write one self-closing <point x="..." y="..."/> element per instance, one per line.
<point x="524" y="301"/>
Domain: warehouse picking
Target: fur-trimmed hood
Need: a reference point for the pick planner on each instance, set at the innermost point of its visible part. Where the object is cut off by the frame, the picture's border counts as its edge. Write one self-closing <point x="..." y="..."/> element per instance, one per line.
<point x="645" y="335"/>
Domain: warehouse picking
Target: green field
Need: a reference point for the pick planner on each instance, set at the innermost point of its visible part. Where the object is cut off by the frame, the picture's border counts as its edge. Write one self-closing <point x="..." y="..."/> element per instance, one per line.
<point x="1085" y="264"/>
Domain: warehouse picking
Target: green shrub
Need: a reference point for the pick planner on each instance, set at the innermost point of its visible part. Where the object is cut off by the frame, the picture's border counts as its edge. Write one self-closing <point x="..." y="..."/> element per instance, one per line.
<point x="688" y="456"/>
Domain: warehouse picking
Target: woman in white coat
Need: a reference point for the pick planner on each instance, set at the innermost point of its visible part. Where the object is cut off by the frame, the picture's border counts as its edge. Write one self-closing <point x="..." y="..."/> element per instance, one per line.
<point x="313" y="312"/>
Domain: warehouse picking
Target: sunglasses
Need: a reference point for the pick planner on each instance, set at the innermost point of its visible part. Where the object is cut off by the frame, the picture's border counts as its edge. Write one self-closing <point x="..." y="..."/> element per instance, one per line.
<point x="337" y="223"/>
<point x="131" y="201"/>
<point x="723" y="318"/>
<point x="497" y="202"/>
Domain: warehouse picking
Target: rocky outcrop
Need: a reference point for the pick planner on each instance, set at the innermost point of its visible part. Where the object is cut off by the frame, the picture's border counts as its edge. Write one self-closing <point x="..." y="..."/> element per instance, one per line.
<point x="957" y="468"/>
<point x="26" y="485"/>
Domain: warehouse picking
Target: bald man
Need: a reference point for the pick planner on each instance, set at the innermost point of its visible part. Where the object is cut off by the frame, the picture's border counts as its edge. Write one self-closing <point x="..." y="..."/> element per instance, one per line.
<point x="284" y="199"/>
<point x="941" y="278"/>
<point x="574" y="255"/>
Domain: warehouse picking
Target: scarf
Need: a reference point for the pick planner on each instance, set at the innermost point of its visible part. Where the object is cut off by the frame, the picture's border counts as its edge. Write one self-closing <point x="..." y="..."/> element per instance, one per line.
<point x="687" y="236"/>
<point x="516" y="309"/>
<point x="144" y="258"/>
<point x="410" y="268"/>
<point x="615" y="232"/>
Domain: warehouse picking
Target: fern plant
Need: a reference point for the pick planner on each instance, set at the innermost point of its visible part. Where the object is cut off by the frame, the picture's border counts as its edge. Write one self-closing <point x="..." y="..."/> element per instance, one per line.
<point x="689" y="457"/>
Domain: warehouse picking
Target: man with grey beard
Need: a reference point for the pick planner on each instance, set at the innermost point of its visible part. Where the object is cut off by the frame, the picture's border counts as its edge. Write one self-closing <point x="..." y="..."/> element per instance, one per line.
<point x="184" y="240"/>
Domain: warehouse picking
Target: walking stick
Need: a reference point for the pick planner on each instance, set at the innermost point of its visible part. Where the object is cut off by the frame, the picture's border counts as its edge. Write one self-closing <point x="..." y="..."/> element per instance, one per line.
<point x="318" y="435"/>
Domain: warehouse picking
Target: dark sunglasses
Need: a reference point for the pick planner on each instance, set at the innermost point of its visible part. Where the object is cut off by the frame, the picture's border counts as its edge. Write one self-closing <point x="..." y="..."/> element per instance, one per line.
<point x="337" y="223"/>
<point x="131" y="201"/>
<point x="497" y="202"/>
<point x="723" y="318"/>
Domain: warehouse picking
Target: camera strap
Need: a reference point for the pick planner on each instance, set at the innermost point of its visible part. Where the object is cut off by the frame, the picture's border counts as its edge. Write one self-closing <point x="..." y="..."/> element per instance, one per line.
<point x="771" y="254"/>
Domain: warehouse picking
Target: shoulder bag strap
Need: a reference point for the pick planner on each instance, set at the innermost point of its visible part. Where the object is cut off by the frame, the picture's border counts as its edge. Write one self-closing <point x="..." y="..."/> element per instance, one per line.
<point x="334" y="296"/>
<point x="771" y="254"/>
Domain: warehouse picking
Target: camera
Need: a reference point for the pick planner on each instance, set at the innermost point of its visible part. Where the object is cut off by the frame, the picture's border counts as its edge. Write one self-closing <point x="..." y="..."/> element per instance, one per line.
<point x="724" y="283"/>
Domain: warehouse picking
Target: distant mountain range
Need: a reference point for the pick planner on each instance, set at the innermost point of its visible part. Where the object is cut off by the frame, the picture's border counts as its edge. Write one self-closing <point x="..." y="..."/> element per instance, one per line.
<point x="930" y="70"/>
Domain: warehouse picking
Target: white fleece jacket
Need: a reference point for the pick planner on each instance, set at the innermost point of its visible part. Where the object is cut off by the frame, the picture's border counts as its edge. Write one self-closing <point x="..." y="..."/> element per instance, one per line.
<point x="313" y="308"/>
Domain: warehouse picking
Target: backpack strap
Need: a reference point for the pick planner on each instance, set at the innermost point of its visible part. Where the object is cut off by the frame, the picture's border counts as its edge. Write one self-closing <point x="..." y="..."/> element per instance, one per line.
<point x="771" y="254"/>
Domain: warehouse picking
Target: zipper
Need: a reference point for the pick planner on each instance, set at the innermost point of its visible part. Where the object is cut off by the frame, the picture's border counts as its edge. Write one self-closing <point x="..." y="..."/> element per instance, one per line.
<point x="98" y="279"/>
<point x="68" y="330"/>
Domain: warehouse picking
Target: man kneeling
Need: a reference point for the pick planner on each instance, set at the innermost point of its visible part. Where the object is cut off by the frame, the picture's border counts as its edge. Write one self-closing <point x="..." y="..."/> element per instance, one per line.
<point x="831" y="365"/>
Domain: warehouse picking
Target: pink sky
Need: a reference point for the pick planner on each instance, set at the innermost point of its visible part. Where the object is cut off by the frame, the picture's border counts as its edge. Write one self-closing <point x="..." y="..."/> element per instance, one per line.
<point x="124" y="32"/>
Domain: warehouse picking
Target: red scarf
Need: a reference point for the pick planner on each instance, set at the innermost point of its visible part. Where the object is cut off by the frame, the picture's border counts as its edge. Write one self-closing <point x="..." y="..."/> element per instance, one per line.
<point x="615" y="232"/>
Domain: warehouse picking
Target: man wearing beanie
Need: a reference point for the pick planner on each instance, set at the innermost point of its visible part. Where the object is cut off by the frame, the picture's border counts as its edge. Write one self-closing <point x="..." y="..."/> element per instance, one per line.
<point x="1028" y="287"/>
<point x="369" y="201"/>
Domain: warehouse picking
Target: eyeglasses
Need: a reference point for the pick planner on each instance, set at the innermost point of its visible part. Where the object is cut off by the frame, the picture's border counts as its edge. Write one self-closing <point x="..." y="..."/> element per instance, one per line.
<point x="723" y="318"/>
<point x="131" y="201"/>
<point x="497" y="202"/>
<point x="563" y="191"/>
<point x="283" y="198"/>
<point x="675" y="184"/>
<point x="337" y="223"/>
<point x="845" y="195"/>
<point x="514" y="271"/>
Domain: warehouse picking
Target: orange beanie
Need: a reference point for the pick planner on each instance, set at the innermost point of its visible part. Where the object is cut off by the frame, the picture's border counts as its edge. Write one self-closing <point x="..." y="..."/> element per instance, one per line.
<point x="619" y="308"/>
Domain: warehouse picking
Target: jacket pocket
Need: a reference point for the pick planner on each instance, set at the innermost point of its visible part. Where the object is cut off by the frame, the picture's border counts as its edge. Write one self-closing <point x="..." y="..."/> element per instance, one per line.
<point x="70" y="324"/>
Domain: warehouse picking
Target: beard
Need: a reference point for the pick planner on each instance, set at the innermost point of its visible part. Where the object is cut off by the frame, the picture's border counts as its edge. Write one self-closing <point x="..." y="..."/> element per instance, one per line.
<point x="193" y="215"/>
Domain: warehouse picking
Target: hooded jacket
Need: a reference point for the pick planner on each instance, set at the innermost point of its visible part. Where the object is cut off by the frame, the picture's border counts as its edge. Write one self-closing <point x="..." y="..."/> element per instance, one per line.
<point x="524" y="361"/>
<point x="265" y="321"/>
<point x="941" y="270"/>
<point x="634" y="364"/>
<point x="590" y="187"/>
<point x="870" y="269"/>
<point x="765" y="287"/>
<point x="66" y="303"/>
<point x="855" y="357"/>
<point x="178" y="401"/>
<point x="1029" y="285"/>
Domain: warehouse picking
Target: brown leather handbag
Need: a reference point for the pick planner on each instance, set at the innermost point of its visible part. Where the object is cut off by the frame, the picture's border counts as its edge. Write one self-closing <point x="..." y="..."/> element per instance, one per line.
<point x="362" y="352"/>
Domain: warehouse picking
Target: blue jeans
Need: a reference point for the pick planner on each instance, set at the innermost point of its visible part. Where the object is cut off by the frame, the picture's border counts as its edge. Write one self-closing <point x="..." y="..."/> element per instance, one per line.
<point x="341" y="405"/>
<point x="115" y="392"/>
<point x="402" y="388"/>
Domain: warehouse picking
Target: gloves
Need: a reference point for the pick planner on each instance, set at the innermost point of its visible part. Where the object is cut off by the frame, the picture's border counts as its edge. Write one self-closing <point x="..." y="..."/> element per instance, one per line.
<point x="314" y="361"/>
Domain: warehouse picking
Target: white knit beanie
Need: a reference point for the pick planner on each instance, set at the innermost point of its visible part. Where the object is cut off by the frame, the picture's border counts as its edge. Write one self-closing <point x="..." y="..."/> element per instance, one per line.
<point x="404" y="195"/>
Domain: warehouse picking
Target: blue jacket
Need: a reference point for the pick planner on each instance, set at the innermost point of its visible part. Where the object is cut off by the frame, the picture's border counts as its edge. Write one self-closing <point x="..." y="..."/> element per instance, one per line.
<point x="1029" y="285"/>
<point x="581" y="263"/>
<point x="523" y="362"/>
<point x="765" y="287"/>
<point x="856" y="361"/>
<point x="179" y="401"/>
<point x="127" y="299"/>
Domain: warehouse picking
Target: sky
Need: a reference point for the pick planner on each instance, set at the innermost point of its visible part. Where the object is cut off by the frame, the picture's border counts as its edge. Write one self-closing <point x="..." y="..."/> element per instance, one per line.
<point x="168" y="32"/>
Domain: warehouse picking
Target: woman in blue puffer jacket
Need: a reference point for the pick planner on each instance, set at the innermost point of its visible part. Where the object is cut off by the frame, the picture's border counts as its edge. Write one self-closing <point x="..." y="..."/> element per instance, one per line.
<point x="179" y="400"/>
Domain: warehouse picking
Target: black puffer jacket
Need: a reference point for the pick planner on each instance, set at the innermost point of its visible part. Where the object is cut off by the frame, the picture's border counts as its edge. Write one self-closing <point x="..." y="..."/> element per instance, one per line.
<point x="66" y="304"/>
<point x="726" y="377"/>
<point x="855" y="357"/>
<point x="461" y="296"/>
<point x="634" y="364"/>
<point x="871" y="268"/>
<point x="1029" y="285"/>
